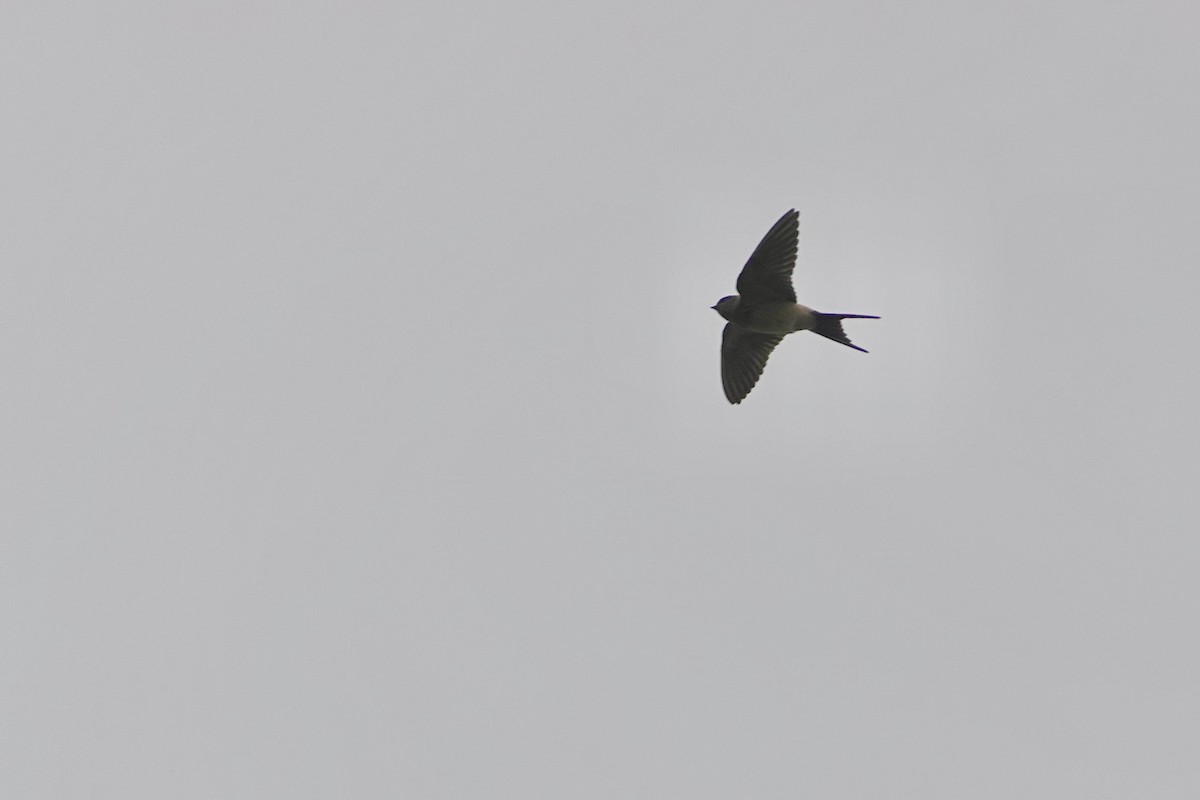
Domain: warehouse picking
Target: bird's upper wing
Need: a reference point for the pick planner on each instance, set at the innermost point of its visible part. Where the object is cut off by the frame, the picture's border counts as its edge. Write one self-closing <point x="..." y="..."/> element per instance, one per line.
<point x="768" y="273"/>
<point x="743" y="356"/>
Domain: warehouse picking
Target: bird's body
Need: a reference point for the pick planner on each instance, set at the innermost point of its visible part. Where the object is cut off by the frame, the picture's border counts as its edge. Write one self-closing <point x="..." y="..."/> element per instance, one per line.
<point x="770" y="317"/>
<point x="765" y="310"/>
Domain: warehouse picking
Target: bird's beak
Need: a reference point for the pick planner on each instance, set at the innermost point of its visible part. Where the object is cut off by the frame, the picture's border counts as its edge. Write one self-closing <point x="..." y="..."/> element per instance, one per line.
<point x="714" y="308"/>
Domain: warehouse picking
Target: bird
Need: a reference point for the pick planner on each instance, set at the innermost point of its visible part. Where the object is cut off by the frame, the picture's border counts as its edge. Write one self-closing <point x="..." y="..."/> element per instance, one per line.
<point x="765" y="310"/>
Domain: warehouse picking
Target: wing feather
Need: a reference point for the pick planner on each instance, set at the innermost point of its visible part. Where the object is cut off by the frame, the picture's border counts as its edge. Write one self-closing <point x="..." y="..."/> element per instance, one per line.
<point x="768" y="273"/>
<point x="744" y="355"/>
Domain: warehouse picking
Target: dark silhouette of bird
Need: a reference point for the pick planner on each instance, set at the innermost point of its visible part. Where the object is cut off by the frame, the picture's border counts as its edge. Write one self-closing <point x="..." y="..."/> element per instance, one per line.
<point x="765" y="310"/>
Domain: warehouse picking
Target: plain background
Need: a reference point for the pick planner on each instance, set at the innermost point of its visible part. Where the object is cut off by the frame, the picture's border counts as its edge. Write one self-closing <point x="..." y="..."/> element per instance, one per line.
<point x="362" y="432"/>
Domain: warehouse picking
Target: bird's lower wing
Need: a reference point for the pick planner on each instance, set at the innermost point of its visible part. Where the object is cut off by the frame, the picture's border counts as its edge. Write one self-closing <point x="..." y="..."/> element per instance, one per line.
<point x="743" y="356"/>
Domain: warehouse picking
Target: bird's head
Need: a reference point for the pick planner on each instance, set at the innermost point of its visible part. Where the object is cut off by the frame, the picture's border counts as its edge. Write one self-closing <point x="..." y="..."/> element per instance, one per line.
<point x="727" y="305"/>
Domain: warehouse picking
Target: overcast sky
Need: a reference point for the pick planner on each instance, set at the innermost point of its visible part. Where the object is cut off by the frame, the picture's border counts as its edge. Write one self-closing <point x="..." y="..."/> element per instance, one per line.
<point x="362" y="433"/>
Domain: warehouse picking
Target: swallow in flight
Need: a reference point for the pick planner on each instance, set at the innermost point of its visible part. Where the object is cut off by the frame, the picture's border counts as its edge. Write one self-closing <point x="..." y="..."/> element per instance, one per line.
<point x="765" y="310"/>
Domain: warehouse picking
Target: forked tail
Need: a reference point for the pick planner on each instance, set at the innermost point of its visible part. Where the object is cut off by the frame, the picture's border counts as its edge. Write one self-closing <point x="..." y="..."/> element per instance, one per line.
<point x="830" y="326"/>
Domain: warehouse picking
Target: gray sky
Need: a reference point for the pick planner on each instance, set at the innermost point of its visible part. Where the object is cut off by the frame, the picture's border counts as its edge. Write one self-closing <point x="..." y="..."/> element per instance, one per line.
<point x="362" y="431"/>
